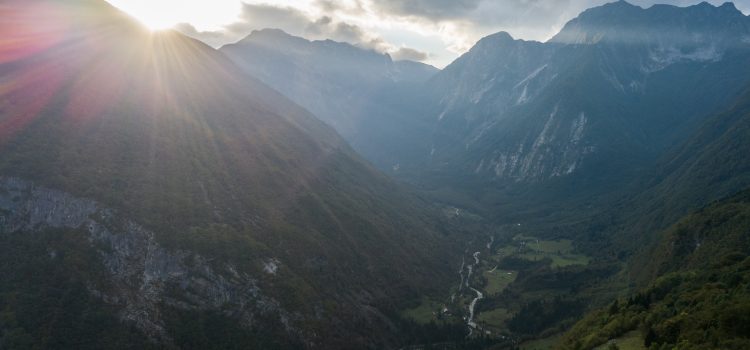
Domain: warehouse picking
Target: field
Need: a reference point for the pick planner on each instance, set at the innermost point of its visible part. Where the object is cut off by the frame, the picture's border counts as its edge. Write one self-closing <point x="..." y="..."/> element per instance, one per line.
<point x="629" y="341"/>
<point x="542" y="344"/>
<point x="559" y="252"/>
<point x="424" y="313"/>
<point x="497" y="280"/>
<point x="494" y="319"/>
<point x="493" y="275"/>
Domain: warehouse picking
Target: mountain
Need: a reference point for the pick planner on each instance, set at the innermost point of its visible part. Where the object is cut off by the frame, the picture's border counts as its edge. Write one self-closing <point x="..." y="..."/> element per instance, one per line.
<point x="711" y="164"/>
<point x="154" y="195"/>
<point x="363" y="94"/>
<point x="563" y="124"/>
<point x="520" y="130"/>
<point x="591" y="143"/>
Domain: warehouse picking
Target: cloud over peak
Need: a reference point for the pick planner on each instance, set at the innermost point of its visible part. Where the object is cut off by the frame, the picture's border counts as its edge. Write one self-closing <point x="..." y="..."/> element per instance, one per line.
<point x="432" y="31"/>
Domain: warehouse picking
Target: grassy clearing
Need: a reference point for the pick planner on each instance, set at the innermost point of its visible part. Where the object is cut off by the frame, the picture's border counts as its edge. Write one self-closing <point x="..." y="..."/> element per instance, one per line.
<point x="629" y="341"/>
<point x="495" y="318"/>
<point x="424" y="313"/>
<point x="542" y="344"/>
<point x="558" y="260"/>
<point x="498" y="280"/>
<point x="530" y="248"/>
<point x="502" y="252"/>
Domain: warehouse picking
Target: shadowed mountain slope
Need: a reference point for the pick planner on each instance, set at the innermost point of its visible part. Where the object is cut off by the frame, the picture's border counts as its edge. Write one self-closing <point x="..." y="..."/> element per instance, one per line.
<point x="228" y="181"/>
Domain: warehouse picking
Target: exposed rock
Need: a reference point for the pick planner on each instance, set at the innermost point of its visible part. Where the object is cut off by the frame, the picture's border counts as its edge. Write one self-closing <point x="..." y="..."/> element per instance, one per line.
<point x="142" y="274"/>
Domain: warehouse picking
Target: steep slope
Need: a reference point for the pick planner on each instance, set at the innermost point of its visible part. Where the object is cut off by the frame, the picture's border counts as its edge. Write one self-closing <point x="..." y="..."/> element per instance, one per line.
<point x="711" y="164"/>
<point x="561" y="124"/>
<point x="699" y="296"/>
<point x="364" y="95"/>
<point x="689" y="269"/>
<point x="195" y="194"/>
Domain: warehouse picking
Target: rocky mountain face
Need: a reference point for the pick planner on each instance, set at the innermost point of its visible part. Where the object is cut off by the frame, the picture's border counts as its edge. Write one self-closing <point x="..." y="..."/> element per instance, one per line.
<point x="357" y="91"/>
<point x="193" y="197"/>
<point x="141" y="274"/>
<point x="588" y="110"/>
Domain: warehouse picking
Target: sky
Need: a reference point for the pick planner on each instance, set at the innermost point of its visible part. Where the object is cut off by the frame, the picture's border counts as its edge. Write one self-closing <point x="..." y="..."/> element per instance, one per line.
<point x="431" y="31"/>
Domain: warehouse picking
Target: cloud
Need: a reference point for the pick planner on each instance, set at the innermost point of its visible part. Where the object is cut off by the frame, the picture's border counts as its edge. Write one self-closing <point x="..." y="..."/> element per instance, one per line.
<point x="212" y="38"/>
<point x="432" y="9"/>
<point x="461" y="23"/>
<point x="406" y="53"/>
<point x="299" y="23"/>
<point x="261" y="16"/>
<point x="435" y="31"/>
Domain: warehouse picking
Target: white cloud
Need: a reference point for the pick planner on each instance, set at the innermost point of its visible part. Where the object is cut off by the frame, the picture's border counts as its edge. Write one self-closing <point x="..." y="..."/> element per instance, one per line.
<point x="410" y="26"/>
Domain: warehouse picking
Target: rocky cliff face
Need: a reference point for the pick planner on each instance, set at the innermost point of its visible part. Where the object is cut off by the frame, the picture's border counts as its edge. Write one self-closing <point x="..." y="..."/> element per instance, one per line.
<point x="141" y="274"/>
<point x="570" y="120"/>
<point x="556" y="150"/>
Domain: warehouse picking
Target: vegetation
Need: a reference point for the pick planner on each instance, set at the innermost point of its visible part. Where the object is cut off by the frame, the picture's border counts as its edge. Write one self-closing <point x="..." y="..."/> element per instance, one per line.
<point x="45" y="302"/>
<point x="427" y="311"/>
<point x="219" y="165"/>
<point x="495" y="318"/>
<point x="556" y="253"/>
<point x="498" y="280"/>
<point x="700" y="298"/>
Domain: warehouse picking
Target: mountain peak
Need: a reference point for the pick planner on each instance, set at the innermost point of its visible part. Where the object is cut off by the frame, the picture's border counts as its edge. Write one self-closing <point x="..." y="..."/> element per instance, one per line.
<point x="270" y="32"/>
<point x="730" y="7"/>
<point x="612" y="8"/>
<point x="499" y="38"/>
<point x="272" y="36"/>
<point x="727" y="7"/>
<point x="621" y="3"/>
<point x="624" y="22"/>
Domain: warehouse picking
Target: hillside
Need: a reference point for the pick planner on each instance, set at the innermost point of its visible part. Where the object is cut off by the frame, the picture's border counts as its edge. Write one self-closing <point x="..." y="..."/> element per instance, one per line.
<point x="687" y="230"/>
<point x="711" y="164"/>
<point x="699" y="295"/>
<point x="183" y="193"/>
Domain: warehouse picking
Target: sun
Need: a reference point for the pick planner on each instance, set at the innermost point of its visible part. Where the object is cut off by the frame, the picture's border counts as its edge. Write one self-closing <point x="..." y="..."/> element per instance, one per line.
<point x="165" y="14"/>
<point x="155" y="15"/>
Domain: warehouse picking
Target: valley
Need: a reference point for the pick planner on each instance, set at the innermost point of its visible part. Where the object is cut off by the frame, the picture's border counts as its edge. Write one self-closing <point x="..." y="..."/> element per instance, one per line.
<point x="486" y="299"/>
<point x="291" y="191"/>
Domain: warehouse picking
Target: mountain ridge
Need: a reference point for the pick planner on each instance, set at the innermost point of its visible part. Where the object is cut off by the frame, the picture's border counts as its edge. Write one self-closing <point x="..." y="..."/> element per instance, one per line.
<point x="170" y="135"/>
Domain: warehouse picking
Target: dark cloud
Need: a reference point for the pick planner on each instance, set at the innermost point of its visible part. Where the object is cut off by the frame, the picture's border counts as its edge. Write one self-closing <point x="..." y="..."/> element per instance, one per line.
<point x="432" y="9"/>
